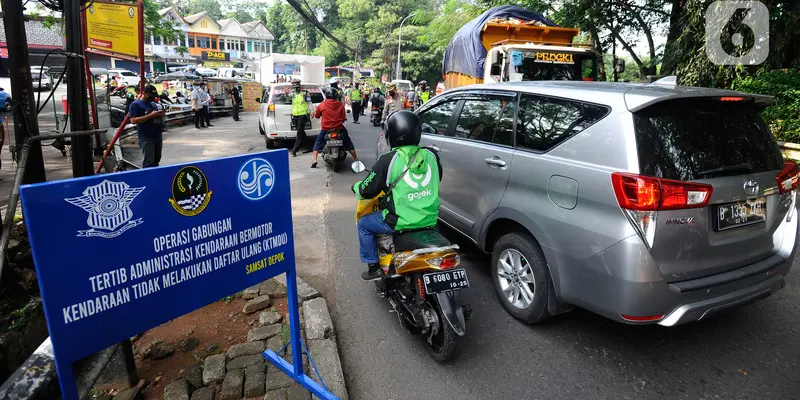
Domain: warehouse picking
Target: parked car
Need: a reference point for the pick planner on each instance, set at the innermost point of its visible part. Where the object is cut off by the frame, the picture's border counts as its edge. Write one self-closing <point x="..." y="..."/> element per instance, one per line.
<point x="40" y="81"/>
<point x="642" y="203"/>
<point x="129" y="78"/>
<point x="5" y="100"/>
<point x="275" y="113"/>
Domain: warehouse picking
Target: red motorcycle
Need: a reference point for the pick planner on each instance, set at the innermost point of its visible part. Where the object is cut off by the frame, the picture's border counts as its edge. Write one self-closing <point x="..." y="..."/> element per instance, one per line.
<point x="120" y="91"/>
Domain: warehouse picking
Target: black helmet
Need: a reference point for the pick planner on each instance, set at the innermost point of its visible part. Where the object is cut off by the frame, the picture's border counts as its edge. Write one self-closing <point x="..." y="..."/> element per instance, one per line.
<point x="403" y="128"/>
<point x="331" y="93"/>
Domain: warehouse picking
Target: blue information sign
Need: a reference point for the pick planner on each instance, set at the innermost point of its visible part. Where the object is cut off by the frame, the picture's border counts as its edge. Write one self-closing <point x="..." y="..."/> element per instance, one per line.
<point x="121" y="253"/>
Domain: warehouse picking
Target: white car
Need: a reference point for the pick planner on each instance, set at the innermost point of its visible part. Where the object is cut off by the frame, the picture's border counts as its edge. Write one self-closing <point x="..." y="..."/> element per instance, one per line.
<point x="129" y="78"/>
<point x="40" y="80"/>
<point x="205" y="72"/>
<point x="275" y="113"/>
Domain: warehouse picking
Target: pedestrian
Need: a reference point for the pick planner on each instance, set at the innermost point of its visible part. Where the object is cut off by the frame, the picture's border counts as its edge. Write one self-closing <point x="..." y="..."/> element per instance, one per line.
<point x="206" y="103"/>
<point x="355" y="95"/>
<point x="237" y="101"/>
<point x="197" y="106"/>
<point x="300" y="100"/>
<point x="364" y="98"/>
<point x="423" y="94"/>
<point x="149" y="121"/>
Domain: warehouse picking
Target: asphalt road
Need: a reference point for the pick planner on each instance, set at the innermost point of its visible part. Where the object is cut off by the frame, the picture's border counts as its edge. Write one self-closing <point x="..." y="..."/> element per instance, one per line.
<point x="745" y="353"/>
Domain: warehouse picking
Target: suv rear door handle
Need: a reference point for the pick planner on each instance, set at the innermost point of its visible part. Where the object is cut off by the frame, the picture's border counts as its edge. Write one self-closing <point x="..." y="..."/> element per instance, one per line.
<point x="496" y="161"/>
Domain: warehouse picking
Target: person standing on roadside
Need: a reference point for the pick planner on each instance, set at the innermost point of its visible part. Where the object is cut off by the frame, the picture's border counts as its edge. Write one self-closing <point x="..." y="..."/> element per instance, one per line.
<point x="355" y="95"/>
<point x="300" y="99"/>
<point x="394" y="102"/>
<point x="423" y="94"/>
<point x="149" y="121"/>
<point x="207" y="105"/>
<point x="197" y="106"/>
<point x="237" y="102"/>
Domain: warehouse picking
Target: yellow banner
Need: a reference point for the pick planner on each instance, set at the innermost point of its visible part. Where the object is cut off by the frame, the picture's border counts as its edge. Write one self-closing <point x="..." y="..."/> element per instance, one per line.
<point x="113" y="28"/>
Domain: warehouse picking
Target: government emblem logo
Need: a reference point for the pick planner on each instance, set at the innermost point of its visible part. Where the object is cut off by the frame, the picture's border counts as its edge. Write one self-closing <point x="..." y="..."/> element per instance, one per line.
<point x="108" y="205"/>
<point x="256" y="178"/>
<point x="190" y="194"/>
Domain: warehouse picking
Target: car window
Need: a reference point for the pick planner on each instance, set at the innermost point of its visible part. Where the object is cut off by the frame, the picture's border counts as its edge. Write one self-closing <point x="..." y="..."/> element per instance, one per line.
<point x="436" y="119"/>
<point x="128" y="74"/>
<point x="544" y="122"/>
<point x="694" y="138"/>
<point x="488" y="120"/>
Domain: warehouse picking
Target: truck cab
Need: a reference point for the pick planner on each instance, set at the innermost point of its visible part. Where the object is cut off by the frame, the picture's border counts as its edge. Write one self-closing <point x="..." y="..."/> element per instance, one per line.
<point x="532" y="62"/>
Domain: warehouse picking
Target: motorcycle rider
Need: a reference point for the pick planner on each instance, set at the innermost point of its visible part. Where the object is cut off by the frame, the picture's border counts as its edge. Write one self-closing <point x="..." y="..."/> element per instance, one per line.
<point x="423" y="94"/>
<point x="335" y="84"/>
<point x="300" y="100"/>
<point x="413" y="202"/>
<point x="394" y="102"/>
<point x="333" y="115"/>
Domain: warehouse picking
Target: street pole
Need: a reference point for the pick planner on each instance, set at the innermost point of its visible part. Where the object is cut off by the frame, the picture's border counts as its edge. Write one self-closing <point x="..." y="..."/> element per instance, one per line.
<point x="399" y="36"/>
<point x="82" y="162"/>
<point x="26" y="121"/>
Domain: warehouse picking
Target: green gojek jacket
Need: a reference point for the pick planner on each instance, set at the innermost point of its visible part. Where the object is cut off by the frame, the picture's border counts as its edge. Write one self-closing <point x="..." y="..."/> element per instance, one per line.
<point x="414" y="202"/>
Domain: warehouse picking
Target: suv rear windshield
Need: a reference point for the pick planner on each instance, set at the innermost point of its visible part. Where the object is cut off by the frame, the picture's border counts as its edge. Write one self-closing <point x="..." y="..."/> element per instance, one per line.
<point x="281" y="94"/>
<point x="691" y="139"/>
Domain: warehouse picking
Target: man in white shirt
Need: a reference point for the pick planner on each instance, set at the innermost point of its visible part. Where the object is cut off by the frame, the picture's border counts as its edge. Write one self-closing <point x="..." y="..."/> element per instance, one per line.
<point x="206" y="106"/>
<point x="197" y="106"/>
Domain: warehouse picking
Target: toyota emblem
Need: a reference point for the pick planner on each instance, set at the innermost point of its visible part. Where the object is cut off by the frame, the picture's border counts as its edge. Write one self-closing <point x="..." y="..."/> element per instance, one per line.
<point x="751" y="187"/>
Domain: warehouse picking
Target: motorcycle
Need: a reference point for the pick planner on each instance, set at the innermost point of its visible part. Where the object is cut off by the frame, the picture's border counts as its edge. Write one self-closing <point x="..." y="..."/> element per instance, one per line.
<point x="334" y="153"/>
<point x="377" y="111"/>
<point x="421" y="282"/>
<point x="120" y="91"/>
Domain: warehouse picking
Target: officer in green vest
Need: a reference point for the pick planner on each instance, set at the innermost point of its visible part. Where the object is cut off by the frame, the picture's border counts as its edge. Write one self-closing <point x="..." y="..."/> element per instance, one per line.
<point x="423" y="94"/>
<point x="356" y="96"/>
<point x="300" y="100"/>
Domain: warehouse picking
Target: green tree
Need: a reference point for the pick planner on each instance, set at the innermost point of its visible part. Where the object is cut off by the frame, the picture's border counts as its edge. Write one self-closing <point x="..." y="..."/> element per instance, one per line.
<point x="154" y="24"/>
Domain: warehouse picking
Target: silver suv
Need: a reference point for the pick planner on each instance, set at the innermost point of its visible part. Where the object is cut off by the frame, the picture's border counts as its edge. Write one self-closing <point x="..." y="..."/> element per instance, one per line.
<point x="642" y="203"/>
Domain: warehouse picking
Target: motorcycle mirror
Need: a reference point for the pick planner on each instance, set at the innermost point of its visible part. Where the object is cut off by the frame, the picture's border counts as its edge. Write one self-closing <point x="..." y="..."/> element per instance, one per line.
<point x="357" y="167"/>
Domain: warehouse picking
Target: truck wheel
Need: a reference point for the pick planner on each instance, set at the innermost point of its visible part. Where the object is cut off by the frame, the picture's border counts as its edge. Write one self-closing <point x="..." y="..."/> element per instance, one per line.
<point x="520" y="275"/>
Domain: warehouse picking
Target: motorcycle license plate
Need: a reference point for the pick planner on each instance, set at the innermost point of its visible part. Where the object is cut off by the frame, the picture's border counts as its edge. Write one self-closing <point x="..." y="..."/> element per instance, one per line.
<point x="444" y="281"/>
<point x="374" y="112"/>
<point x="334" y="143"/>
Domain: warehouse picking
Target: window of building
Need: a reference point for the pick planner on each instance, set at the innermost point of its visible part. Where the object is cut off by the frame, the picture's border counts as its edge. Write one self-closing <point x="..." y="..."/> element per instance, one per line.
<point x="147" y="39"/>
<point x="203" y="42"/>
<point x="241" y="45"/>
<point x="213" y="43"/>
<point x="191" y="41"/>
<point x="157" y="40"/>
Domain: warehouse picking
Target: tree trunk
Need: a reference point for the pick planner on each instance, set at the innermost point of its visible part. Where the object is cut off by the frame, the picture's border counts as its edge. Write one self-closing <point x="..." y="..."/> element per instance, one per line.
<point x="676" y="15"/>
<point x="598" y="46"/>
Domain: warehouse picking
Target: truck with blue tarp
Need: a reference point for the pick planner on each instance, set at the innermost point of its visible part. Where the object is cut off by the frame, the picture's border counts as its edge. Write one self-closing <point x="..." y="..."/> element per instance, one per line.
<point x="512" y="44"/>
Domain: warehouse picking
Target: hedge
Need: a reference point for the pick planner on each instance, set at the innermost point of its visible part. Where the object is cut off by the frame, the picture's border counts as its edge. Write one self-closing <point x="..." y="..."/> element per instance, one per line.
<point x="784" y="116"/>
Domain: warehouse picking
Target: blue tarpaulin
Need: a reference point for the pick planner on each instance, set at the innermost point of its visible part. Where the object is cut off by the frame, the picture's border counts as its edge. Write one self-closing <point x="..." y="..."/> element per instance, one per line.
<point x="466" y="54"/>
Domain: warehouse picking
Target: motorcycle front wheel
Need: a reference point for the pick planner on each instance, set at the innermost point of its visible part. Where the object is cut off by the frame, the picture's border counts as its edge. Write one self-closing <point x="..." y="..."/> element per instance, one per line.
<point x="443" y="344"/>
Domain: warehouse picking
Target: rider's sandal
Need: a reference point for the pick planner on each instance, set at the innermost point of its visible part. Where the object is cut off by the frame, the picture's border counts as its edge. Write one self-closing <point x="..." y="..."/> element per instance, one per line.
<point x="314" y="165"/>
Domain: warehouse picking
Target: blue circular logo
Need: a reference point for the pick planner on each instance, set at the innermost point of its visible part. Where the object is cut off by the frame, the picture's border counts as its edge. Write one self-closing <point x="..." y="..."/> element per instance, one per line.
<point x="256" y="178"/>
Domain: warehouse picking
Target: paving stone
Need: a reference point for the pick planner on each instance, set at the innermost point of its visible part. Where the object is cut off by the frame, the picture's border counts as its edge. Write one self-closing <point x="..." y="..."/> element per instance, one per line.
<point x="276" y="379"/>
<point x="232" y="385"/>
<point x="178" y="390"/>
<point x="194" y="375"/>
<point x="251" y="292"/>
<point x="326" y="358"/>
<point x="214" y="369"/>
<point x="275" y="343"/>
<point x="298" y="392"/>
<point x="205" y="393"/>
<point x="279" y="394"/>
<point x="273" y="288"/>
<point x="245" y="349"/>
<point x="263" y="332"/>
<point x="269" y="318"/>
<point x="305" y="291"/>
<point x="257" y="304"/>
<point x="318" y="324"/>
<point x="255" y="379"/>
<point x="245" y="361"/>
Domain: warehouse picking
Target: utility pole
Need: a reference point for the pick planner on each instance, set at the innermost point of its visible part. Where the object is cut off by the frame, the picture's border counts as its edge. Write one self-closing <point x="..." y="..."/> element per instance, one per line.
<point x="82" y="162"/>
<point x="25" y="112"/>
<point x="399" y="40"/>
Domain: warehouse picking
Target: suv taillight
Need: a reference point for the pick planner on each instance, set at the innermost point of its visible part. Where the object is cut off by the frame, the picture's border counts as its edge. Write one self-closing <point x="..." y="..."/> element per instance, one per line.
<point x="645" y="193"/>
<point x="641" y="197"/>
<point x="788" y="177"/>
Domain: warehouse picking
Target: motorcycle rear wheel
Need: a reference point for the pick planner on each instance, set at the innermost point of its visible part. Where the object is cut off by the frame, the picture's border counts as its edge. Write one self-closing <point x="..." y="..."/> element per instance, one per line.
<point x="444" y="344"/>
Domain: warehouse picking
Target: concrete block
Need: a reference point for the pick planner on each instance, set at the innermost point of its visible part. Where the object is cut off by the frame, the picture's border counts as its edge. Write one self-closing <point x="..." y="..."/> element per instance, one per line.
<point x="245" y="361"/>
<point x="251" y="292"/>
<point x="205" y="393"/>
<point x="194" y="376"/>
<point x="278" y="394"/>
<point x="257" y="304"/>
<point x="214" y="369"/>
<point x="178" y="390"/>
<point x="325" y="354"/>
<point x="263" y="332"/>
<point x="232" y="385"/>
<point x="317" y="320"/>
<point x="245" y="349"/>
<point x="255" y="379"/>
<point x="276" y="379"/>
<point x="269" y="318"/>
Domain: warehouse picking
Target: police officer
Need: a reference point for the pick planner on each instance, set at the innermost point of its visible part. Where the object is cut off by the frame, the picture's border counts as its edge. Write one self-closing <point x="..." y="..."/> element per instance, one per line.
<point x="423" y="94"/>
<point x="300" y="100"/>
<point x="356" y="96"/>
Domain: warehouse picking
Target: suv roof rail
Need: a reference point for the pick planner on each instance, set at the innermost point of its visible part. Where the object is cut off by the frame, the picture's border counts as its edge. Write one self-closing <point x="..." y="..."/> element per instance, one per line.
<point x="670" y="80"/>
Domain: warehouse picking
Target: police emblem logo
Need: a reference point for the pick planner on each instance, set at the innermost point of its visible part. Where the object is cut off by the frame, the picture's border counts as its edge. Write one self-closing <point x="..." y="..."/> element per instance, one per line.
<point x="190" y="194"/>
<point x="108" y="205"/>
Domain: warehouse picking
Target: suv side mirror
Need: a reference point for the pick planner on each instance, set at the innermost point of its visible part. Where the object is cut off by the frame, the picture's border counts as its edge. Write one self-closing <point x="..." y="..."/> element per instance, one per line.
<point x="357" y="167"/>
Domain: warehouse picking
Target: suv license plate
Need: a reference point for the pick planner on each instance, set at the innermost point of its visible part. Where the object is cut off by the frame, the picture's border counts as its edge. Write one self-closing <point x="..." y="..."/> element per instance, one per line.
<point x="293" y="125"/>
<point x="741" y="213"/>
<point x="334" y="143"/>
<point x="444" y="281"/>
